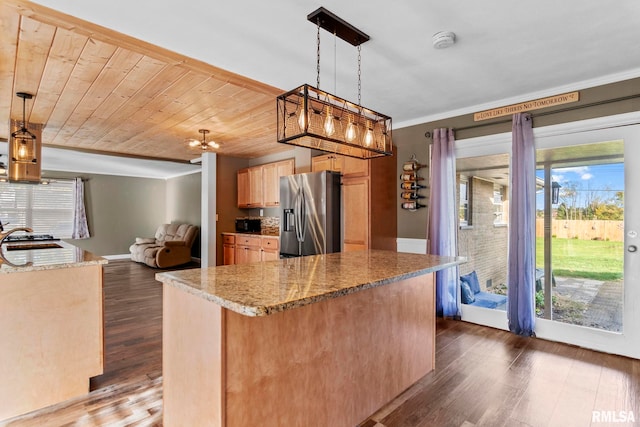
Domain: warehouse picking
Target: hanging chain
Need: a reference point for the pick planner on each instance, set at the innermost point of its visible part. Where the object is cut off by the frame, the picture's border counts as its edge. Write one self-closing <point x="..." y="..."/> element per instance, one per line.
<point x="359" y="76"/>
<point x="335" y="78"/>
<point x="318" y="56"/>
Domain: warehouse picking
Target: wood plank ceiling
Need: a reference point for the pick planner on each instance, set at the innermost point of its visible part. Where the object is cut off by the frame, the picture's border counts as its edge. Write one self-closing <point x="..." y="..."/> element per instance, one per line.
<point x="101" y="91"/>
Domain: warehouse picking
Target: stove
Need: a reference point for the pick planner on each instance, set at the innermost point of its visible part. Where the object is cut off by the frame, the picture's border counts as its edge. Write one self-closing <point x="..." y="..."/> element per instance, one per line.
<point x="30" y="238"/>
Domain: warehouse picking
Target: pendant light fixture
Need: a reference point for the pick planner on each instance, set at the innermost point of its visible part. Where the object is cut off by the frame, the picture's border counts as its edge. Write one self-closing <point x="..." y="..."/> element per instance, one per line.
<point x="25" y="147"/>
<point x="203" y="145"/>
<point x="310" y="117"/>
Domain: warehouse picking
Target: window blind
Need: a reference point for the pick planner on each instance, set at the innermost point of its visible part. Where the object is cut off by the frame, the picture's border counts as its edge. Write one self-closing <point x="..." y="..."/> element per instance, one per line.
<point x="43" y="208"/>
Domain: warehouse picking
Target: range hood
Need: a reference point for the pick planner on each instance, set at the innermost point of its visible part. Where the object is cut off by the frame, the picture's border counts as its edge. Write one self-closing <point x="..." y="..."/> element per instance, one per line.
<point x="25" y="163"/>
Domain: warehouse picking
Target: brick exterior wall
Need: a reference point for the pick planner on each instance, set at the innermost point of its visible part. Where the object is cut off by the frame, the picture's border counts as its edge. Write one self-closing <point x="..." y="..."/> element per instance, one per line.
<point x="483" y="243"/>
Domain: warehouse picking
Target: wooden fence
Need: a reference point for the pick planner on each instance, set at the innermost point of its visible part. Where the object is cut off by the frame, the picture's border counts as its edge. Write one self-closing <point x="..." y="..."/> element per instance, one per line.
<point x="583" y="229"/>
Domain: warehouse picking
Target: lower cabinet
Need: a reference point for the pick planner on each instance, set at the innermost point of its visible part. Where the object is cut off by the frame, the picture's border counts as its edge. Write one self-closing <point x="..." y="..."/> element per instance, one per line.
<point x="270" y="248"/>
<point x="243" y="248"/>
<point x="247" y="249"/>
<point x="228" y="249"/>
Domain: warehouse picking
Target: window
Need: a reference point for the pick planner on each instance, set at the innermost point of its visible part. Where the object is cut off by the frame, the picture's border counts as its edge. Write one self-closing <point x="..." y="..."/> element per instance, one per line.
<point x="499" y="205"/>
<point x="464" y="210"/>
<point x="44" y="208"/>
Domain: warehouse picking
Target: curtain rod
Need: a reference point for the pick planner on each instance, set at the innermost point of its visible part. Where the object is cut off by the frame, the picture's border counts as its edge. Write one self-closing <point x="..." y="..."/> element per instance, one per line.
<point x="429" y="135"/>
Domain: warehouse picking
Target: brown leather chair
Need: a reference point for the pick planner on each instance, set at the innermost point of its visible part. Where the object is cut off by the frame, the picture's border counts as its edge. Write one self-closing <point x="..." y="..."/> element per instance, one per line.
<point x="171" y="246"/>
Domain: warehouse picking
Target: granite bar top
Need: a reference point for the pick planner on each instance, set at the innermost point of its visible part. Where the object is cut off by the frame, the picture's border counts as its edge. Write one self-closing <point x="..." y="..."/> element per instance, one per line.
<point x="263" y="288"/>
<point x="19" y="261"/>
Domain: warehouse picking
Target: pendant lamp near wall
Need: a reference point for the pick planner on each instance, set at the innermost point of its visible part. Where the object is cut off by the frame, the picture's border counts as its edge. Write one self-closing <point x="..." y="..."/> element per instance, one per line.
<point x="310" y="117"/>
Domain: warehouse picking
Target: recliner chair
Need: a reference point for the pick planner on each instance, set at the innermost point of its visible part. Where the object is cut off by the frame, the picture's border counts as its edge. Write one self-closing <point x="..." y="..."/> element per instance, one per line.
<point x="170" y="247"/>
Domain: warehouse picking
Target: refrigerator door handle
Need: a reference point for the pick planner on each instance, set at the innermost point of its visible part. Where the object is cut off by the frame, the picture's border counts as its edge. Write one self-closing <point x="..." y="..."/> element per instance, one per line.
<point x="286" y="218"/>
<point x="297" y="217"/>
<point x="303" y="215"/>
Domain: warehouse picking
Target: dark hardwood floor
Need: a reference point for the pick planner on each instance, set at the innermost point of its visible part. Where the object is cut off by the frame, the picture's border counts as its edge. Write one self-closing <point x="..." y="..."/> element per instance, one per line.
<point x="483" y="376"/>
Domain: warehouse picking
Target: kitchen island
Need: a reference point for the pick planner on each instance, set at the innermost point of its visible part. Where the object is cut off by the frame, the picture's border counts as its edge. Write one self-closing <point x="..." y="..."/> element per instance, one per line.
<point x="320" y="340"/>
<point x="51" y="324"/>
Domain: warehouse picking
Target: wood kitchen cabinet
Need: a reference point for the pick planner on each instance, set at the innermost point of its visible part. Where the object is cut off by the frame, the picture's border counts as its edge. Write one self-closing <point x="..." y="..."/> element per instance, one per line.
<point x="327" y="162"/>
<point x="228" y="249"/>
<point x="259" y="186"/>
<point x="248" y="249"/>
<point x="256" y="196"/>
<point x="243" y="188"/>
<point x="271" y="174"/>
<point x="239" y="248"/>
<point x="348" y="166"/>
<point x="355" y="195"/>
<point x="270" y="248"/>
<point x="369" y="204"/>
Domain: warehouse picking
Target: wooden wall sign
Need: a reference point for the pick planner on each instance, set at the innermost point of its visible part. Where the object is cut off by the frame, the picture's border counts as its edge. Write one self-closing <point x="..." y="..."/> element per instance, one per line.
<point x="565" y="98"/>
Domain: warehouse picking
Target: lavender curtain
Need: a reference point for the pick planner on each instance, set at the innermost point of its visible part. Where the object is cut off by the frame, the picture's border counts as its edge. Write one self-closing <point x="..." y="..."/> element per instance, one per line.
<point x="80" y="227"/>
<point x="443" y="220"/>
<point x="522" y="232"/>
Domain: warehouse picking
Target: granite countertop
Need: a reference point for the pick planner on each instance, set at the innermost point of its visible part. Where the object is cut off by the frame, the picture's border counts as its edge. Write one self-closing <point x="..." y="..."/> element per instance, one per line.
<point x="263" y="288"/>
<point x="17" y="261"/>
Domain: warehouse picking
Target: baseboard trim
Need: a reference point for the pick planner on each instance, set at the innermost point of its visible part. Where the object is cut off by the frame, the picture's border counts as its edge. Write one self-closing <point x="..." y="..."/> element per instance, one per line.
<point x="412" y="246"/>
<point x="117" y="256"/>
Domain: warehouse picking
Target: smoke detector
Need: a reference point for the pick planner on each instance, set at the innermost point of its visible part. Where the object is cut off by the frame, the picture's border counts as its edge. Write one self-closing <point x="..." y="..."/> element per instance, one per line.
<point x="443" y="39"/>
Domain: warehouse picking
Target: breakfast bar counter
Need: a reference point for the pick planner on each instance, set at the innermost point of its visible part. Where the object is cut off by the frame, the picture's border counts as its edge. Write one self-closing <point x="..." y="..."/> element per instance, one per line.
<point x="51" y="324"/>
<point x="317" y="340"/>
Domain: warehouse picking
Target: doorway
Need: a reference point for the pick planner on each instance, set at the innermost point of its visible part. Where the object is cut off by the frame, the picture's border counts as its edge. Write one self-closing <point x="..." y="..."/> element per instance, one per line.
<point x="587" y="235"/>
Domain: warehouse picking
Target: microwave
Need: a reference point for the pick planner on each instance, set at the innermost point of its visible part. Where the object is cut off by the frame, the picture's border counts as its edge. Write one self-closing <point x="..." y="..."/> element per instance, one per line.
<point x="246" y="225"/>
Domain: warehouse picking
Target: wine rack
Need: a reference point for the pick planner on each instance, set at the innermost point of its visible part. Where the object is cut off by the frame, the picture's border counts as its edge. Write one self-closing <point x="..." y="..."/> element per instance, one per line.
<point x="411" y="184"/>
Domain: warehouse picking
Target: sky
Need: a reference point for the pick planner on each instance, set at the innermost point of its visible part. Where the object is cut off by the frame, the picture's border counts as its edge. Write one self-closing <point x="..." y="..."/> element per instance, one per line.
<point x="601" y="181"/>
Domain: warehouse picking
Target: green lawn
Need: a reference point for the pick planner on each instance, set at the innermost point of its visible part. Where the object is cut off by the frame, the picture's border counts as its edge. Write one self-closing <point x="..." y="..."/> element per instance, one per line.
<point x="593" y="259"/>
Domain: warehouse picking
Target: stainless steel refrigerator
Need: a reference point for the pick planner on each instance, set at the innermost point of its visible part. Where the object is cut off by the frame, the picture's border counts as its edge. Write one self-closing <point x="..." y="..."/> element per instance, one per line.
<point x="310" y="206"/>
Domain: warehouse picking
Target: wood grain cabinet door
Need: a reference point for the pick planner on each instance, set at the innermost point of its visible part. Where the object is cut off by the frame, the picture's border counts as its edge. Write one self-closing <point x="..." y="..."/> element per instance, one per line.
<point x="355" y="167"/>
<point x="243" y="188"/>
<point x="270" y="185"/>
<point x="327" y="162"/>
<point x="270" y="248"/>
<point x="356" y="213"/>
<point x="228" y="254"/>
<point x="256" y="195"/>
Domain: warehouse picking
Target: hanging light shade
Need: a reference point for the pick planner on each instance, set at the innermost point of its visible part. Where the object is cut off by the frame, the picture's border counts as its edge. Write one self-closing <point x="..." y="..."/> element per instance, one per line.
<point x="310" y="117"/>
<point x="24" y="148"/>
<point x="203" y="144"/>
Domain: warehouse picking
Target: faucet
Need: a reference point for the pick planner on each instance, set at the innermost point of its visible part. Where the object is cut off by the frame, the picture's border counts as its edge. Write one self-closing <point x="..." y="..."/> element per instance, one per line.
<point x="13" y="230"/>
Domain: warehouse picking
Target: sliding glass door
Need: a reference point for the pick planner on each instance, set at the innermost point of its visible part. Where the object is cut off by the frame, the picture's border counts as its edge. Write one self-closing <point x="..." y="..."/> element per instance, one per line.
<point x="587" y="233"/>
<point x="580" y="235"/>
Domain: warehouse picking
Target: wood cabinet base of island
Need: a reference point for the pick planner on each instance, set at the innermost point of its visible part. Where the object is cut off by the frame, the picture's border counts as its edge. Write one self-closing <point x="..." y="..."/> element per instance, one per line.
<point x="51" y="333"/>
<point x="331" y="363"/>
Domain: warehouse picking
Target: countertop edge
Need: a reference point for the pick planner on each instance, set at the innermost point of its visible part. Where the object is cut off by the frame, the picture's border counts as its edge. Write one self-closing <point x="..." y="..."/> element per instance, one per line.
<point x="167" y="278"/>
<point x="8" y="269"/>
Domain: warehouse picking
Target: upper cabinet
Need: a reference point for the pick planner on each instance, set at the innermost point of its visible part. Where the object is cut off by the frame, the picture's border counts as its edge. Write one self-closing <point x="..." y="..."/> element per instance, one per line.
<point x="243" y="188"/>
<point x="327" y="162"/>
<point x="271" y="174"/>
<point x="259" y="186"/>
<point x="348" y="166"/>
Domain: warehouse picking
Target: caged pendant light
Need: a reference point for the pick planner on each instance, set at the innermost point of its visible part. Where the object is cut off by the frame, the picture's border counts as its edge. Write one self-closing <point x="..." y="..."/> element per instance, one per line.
<point x="25" y="147"/>
<point x="310" y="117"/>
<point x="23" y="142"/>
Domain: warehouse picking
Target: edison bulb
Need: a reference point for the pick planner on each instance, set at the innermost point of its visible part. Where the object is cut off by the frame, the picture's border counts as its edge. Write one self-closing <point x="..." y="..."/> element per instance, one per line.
<point x="368" y="137"/>
<point x="302" y="121"/>
<point x="329" y="125"/>
<point x="22" y="151"/>
<point x="352" y="133"/>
